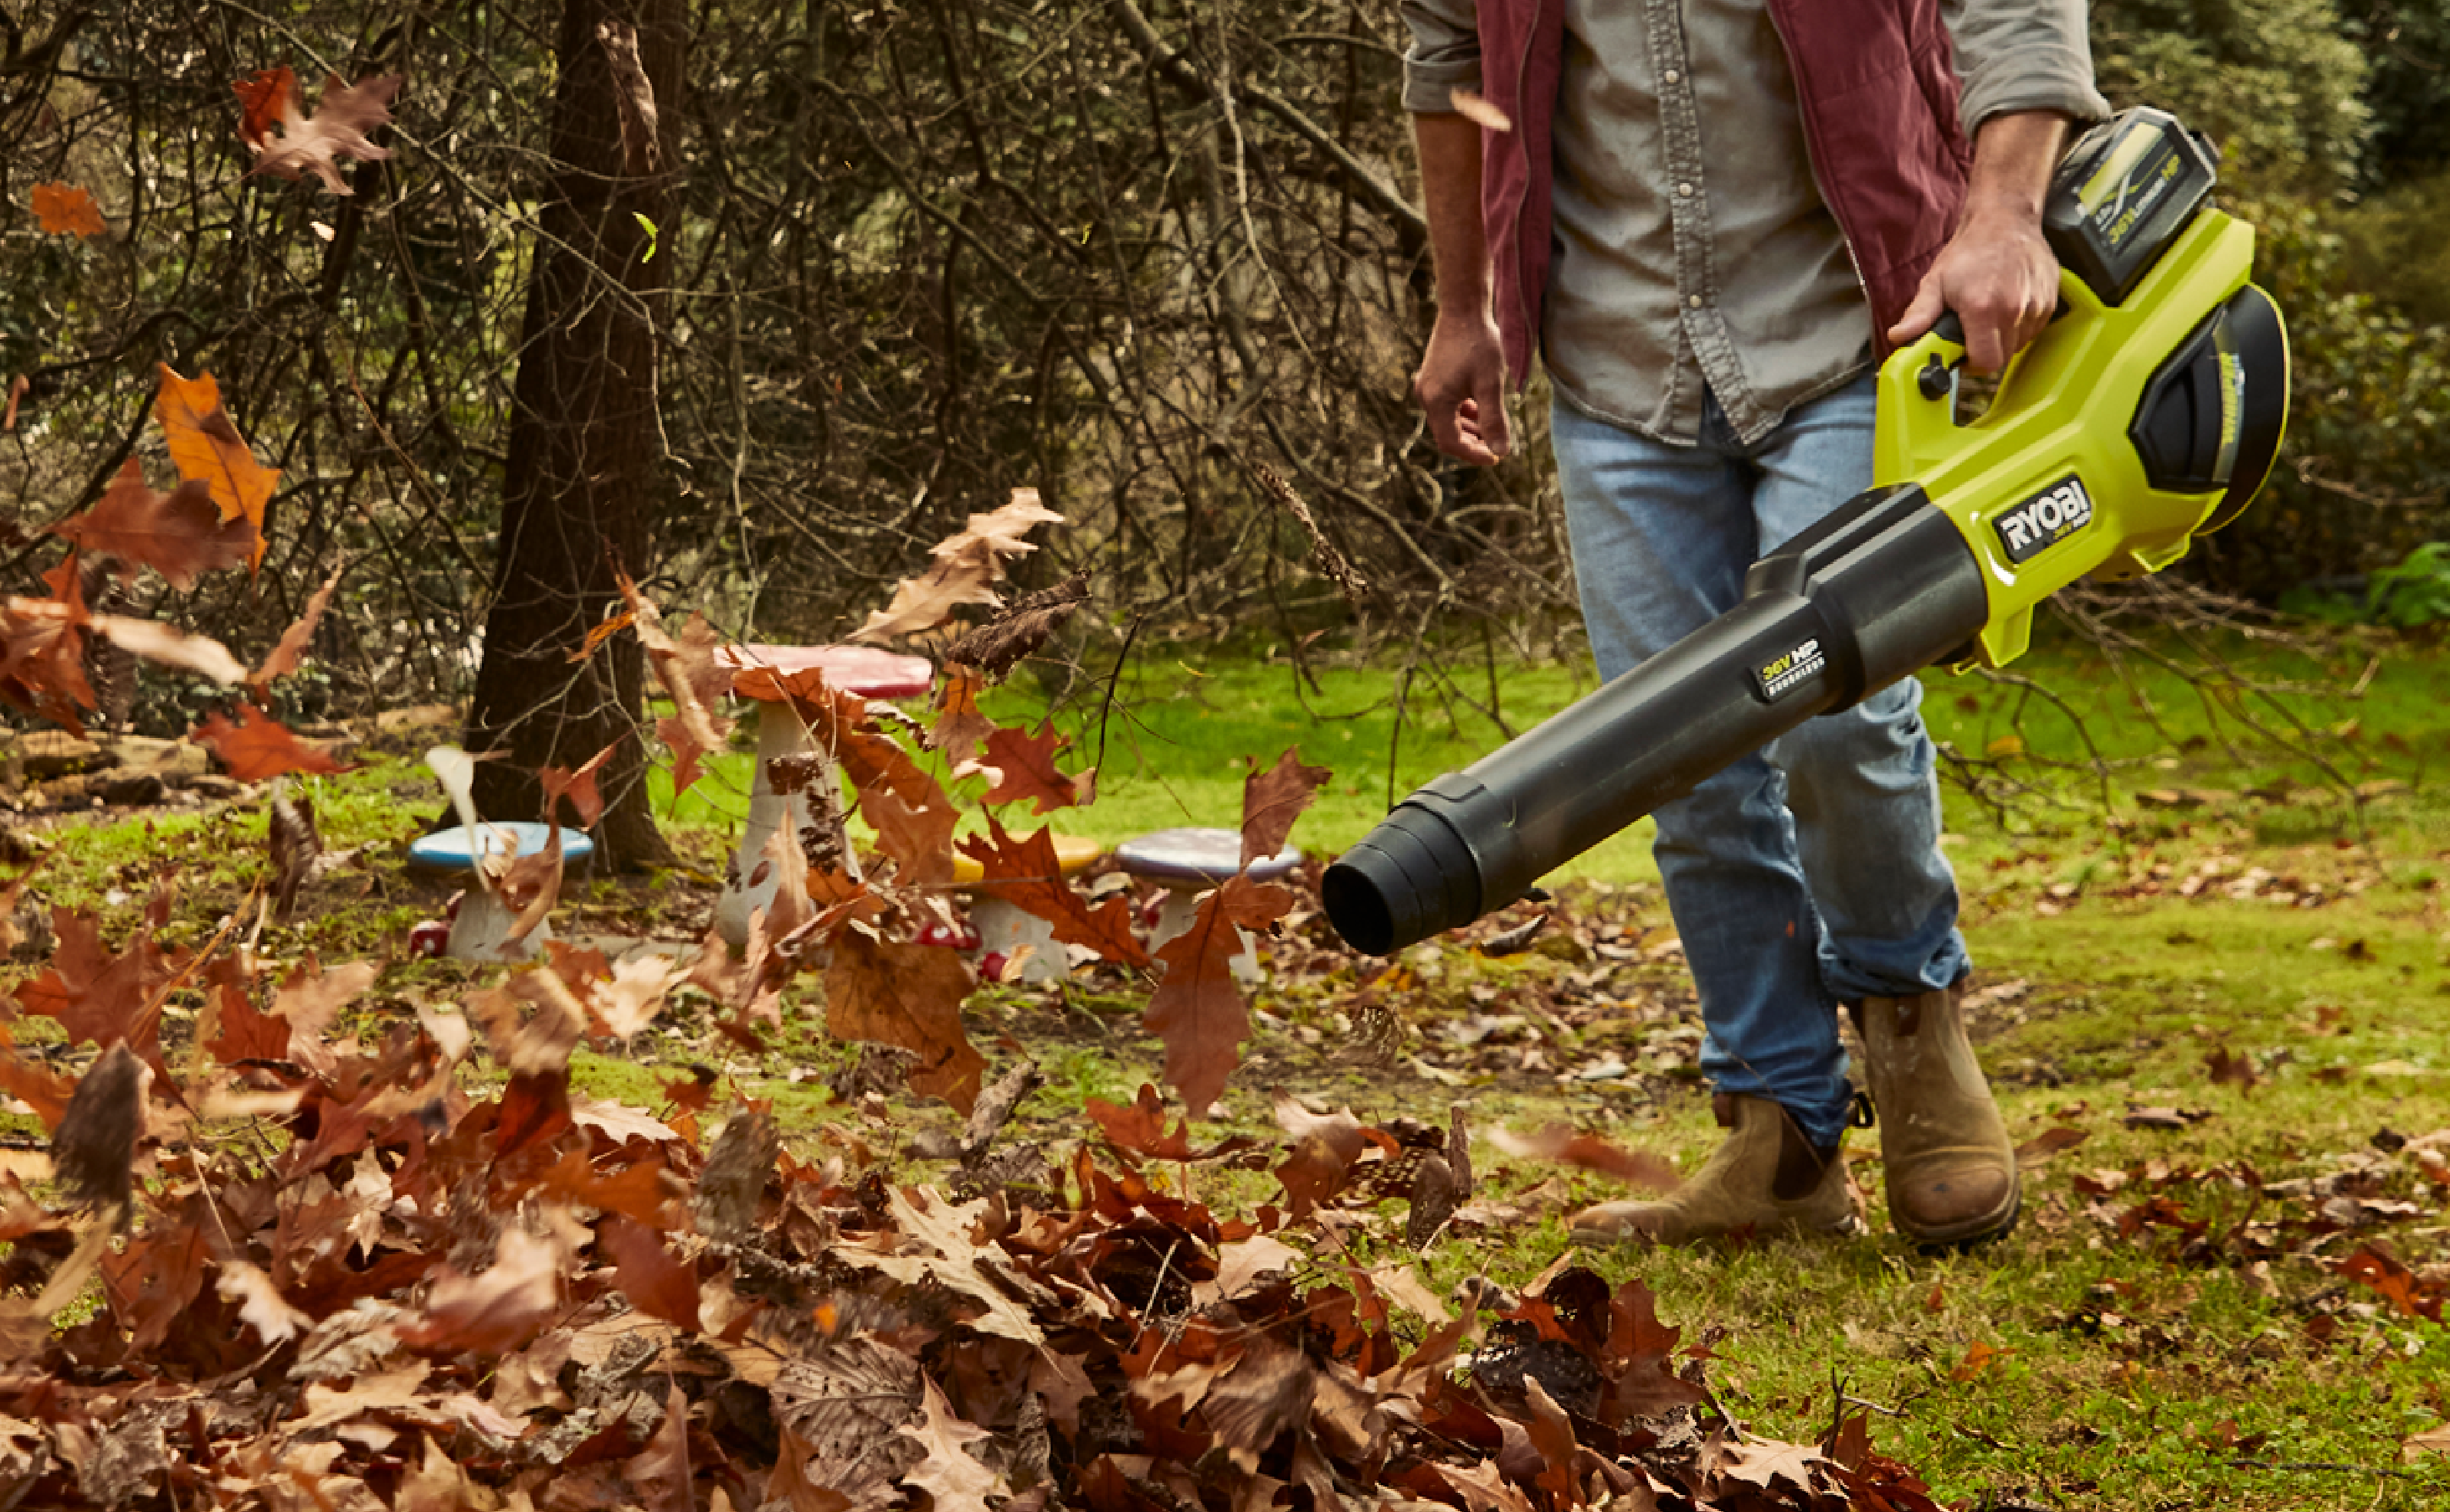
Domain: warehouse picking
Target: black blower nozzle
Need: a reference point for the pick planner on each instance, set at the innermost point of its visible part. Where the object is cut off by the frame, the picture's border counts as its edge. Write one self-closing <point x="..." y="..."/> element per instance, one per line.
<point x="1883" y="587"/>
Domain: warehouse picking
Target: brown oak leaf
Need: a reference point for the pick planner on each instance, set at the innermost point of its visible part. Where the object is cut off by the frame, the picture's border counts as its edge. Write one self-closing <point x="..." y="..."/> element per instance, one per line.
<point x="180" y="534"/>
<point x="1024" y="767"/>
<point x="64" y="210"/>
<point x="657" y="1282"/>
<point x="1026" y="874"/>
<point x="1140" y="1128"/>
<point x="316" y="143"/>
<point x="1197" y="1008"/>
<point x="285" y="655"/>
<point x="1273" y="800"/>
<point x="687" y="668"/>
<point x="206" y="447"/>
<point x="909" y="995"/>
<point x="259" y="746"/>
<point x="967" y="566"/>
<point x="949" y="1473"/>
<point x="498" y="1309"/>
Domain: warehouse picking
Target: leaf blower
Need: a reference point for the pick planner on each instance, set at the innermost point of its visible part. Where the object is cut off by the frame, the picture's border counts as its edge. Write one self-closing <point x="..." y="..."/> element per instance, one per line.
<point x="2148" y="409"/>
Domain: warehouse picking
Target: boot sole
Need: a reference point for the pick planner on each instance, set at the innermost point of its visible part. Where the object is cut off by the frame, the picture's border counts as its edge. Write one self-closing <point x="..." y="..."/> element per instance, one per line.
<point x="1974" y="1236"/>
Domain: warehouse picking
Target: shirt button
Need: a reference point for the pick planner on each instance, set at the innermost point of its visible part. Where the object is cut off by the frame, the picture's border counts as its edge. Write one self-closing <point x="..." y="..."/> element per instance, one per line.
<point x="1672" y="76"/>
<point x="1684" y="191"/>
<point x="1693" y="300"/>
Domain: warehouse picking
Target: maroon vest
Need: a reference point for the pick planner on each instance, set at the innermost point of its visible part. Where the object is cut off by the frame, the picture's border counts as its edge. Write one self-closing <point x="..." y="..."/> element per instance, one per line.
<point x="1878" y="100"/>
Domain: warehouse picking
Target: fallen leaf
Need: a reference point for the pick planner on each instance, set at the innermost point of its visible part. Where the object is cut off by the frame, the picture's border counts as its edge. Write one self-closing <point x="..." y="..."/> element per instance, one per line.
<point x="950" y="1473"/>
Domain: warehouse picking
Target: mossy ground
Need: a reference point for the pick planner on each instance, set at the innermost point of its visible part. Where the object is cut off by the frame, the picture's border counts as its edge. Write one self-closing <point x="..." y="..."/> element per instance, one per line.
<point x="2068" y="1364"/>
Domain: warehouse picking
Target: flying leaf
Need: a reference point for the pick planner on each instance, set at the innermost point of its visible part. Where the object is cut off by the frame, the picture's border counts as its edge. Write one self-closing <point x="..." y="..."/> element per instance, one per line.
<point x="285" y="657"/>
<point x="1469" y="104"/>
<point x="316" y="144"/>
<point x="93" y="1151"/>
<point x="99" y="996"/>
<point x="1198" y="1009"/>
<point x="207" y="448"/>
<point x="1273" y="800"/>
<point x="260" y="1303"/>
<point x="655" y="1282"/>
<point x="260" y="98"/>
<point x="967" y="566"/>
<point x="295" y="844"/>
<point x="1024" y="767"/>
<point x="688" y="669"/>
<point x="1561" y="1143"/>
<point x="1140" y="1128"/>
<point x="1325" y="1147"/>
<point x="497" y="1308"/>
<point x="156" y="642"/>
<point x="43" y="650"/>
<point x="66" y="210"/>
<point x="577" y="788"/>
<point x="259" y="746"/>
<point x="959" y="726"/>
<point x="909" y="995"/>
<point x="1019" y="628"/>
<point x="180" y="534"/>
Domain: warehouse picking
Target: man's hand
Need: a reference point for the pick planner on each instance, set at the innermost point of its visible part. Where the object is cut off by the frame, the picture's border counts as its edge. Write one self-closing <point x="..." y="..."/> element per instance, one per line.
<point x="1999" y="277"/>
<point x="1462" y="384"/>
<point x="1996" y="272"/>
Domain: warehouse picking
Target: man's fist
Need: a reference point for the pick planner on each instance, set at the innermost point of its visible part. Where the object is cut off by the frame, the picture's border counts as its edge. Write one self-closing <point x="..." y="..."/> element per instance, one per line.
<point x="1999" y="277"/>
<point x="1462" y="384"/>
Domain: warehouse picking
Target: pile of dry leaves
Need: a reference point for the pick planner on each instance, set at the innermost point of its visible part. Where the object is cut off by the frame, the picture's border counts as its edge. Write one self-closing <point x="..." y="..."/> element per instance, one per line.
<point x="359" y="1276"/>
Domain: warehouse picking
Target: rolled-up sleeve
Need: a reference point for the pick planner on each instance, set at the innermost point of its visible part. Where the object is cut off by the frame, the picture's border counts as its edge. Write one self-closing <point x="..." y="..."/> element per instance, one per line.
<point x="2023" y="55"/>
<point x="1445" y="55"/>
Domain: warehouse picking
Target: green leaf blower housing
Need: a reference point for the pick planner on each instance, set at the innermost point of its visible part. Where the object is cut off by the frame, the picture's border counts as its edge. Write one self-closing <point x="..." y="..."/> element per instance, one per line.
<point x="2148" y="409"/>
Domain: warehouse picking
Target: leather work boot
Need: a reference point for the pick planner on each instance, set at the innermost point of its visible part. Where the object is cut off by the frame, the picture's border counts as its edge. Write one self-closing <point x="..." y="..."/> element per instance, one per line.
<point x="1950" y="1168"/>
<point x="1766" y="1177"/>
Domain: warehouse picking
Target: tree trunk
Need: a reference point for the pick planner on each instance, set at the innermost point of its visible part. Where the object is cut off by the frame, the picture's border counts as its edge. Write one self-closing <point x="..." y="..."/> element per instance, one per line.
<point x="578" y="489"/>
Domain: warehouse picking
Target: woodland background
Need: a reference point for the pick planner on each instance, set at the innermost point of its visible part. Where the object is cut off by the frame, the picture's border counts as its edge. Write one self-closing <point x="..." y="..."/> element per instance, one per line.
<point x="868" y="267"/>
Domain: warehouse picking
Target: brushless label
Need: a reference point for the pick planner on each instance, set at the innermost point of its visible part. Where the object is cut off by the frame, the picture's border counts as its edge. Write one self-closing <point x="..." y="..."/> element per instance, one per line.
<point x="2044" y="520"/>
<point x="1783" y="675"/>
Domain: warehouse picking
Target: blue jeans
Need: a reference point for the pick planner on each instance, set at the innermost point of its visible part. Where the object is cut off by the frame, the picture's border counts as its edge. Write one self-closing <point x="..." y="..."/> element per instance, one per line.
<point x="1808" y="873"/>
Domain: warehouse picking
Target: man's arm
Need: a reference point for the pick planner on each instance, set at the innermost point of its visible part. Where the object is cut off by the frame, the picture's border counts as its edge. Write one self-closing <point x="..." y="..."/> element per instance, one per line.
<point x="1996" y="272"/>
<point x="1461" y="380"/>
<point x="2027" y="69"/>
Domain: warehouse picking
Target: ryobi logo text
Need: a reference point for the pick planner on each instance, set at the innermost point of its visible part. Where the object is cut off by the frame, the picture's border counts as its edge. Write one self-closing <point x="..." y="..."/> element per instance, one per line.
<point x="2044" y="520"/>
<point x="1777" y="678"/>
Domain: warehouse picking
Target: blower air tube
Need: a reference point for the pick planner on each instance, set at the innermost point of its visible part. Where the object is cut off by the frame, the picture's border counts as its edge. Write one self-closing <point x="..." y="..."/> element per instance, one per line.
<point x="1884" y="586"/>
